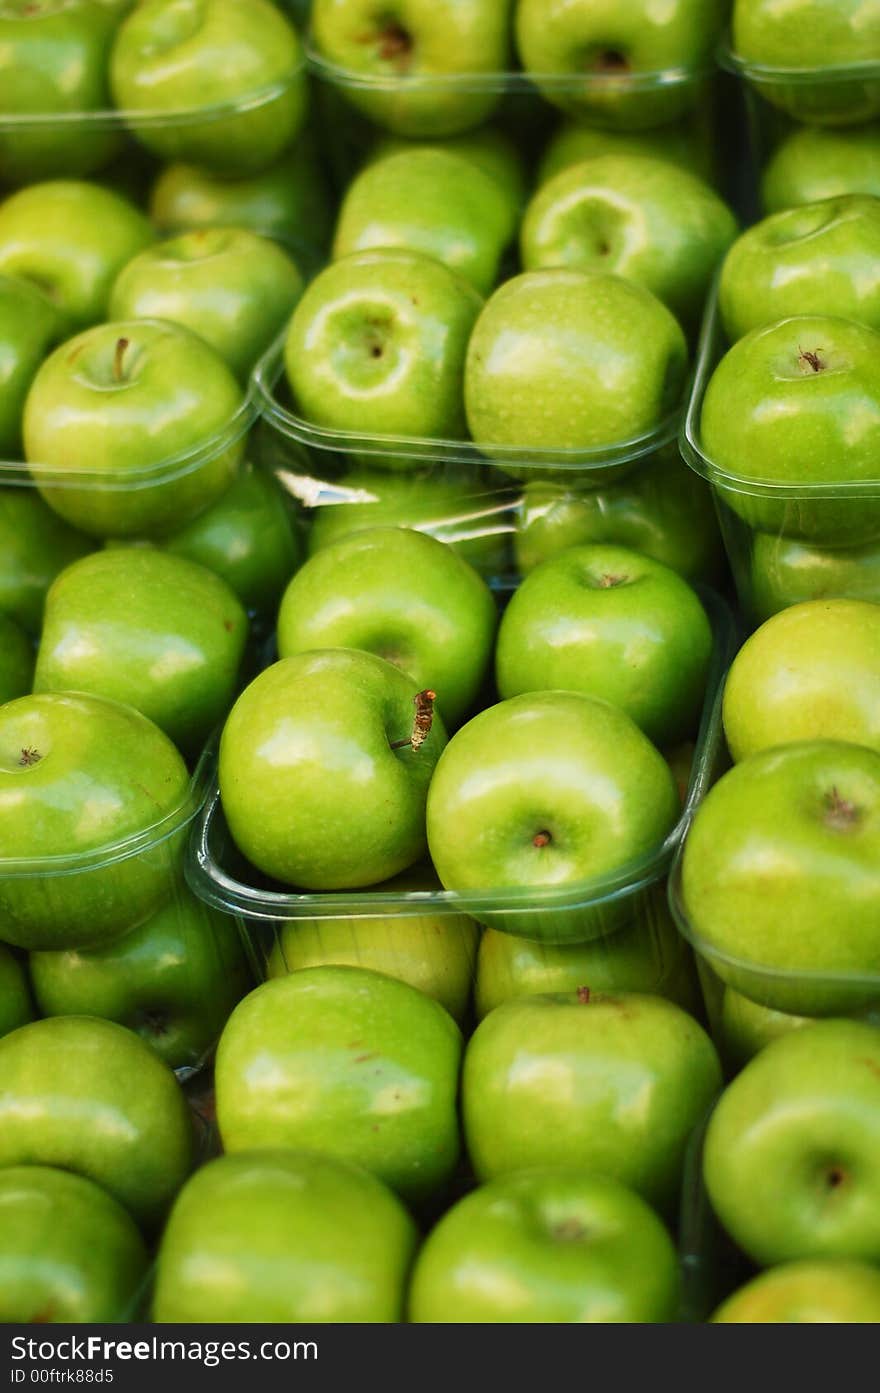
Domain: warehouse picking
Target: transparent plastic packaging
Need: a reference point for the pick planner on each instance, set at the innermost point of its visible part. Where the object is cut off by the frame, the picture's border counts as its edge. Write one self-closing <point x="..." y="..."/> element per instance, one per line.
<point x="712" y="1267"/>
<point x="607" y="913"/>
<point x="793" y="561"/>
<point x="844" y="94"/>
<point x="175" y="969"/>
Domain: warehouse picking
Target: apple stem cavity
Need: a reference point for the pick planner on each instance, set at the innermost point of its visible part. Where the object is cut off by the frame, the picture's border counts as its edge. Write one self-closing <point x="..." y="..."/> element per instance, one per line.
<point x="811" y="358"/>
<point x="541" y="839"/>
<point x="583" y="996"/>
<point x="423" y="720"/>
<point x="569" y="1230"/>
<point x="395" y="43"/>
<point x="29" y="756"/>
<point x="118" y="356"/>
<point x="840" y="812"/>
<point x="611" y="60"/>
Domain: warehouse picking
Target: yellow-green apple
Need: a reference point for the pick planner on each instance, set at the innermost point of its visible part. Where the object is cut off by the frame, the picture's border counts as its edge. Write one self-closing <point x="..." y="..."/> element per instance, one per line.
<point x="553" y="1079"/>
<point x="133" y="427"/>
<point x="16" y="660"/>
<point x="346" y="1062"/>
<point x="812" y="672"/>
<point x="792" y="1153"/>
<point x="404" y="596"/>
<point x="747" y="1027"/>
<point x="571" y="360"/>
<point x="290" y="200"/>
<point x="53" y="62"/>
<point x="233" y="287"/>
<point x="456" y="505"/>
<point x="552" y="794"/>
<point x="598" y="55"/>
<point x="797" y="403"/>
<point x="490" y="148"/>
<point x="431" y="201"/>
<point x="806" y="260"/>
<point x="69" y="238"/>
<point x="646" y="955"/>
<point x="405" y="60"/>
<point x="325" y="762"/>
<point x="28" y="328"/>
<point x="69" y="1252"/>
<point x="80" y="776"/>
<point x="683" y="144"/>
<point x="283" y="1235"/>
<point x="377" y="345"/>
<point x="35" y="544"/>
<point x="661" y="508"/>
<point x="237" y="64"/>
<point x="610" y="623"/>
<point x="430" y="948"/>
<point x="149" y="629"/>
<point x="550" y="1245"/>
<point x="786" y="571"/>
<point x="634" y="216"/>
<point x="89" y="1096"/>
<point x="817" y="1291"/>
<point x="815" y="162"/>
<point x="16" y="1005"/>
<point x="173" y="980"/>
<point x="781" y="877"/>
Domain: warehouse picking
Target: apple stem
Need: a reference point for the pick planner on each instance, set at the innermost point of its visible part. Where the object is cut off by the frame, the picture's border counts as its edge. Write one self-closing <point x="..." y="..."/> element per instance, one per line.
<point x="541" y="839"/>
<point x="811" y="358"/>
<point x="583" y="995"/>
<point x="30" y="756"/>
<point x="121" y="346"/>
<point x="422" y="722"/>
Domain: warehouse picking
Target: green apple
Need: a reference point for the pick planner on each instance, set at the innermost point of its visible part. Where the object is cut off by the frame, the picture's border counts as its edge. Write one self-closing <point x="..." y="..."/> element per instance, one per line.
<point x="456" y="505"/>
<point x="684" y="145"/>
<point x="404" y="596"/>
<point x="377" y="345"/>
<point x="248" y="538"/>
<point x="80" y="777"/>
<point x="798" y="404"/>
<point x="610" y="1084"/>
<point x="431" y="201"/>
<point x="53" y="62"/>
<point x="234" y="66"/>
<point x="16" y="660"/>
<point x="550" y="1245"/>
<point x="133" y="427"/>
<point x="781" y="877"/>
<point x="547" y="794"/>
<point x="571" y="360"/>
<point x="172" y="980"/>
<point x="598" y="56"/>
<point x="349" y="1063"/>
<point x="34" y="546"/>
<point x="661" y="508"/>
<point x="807" y="260"/>
<point x="818" y="1291"/>
<point x="746" y="1027"/>
<point x="812" y="34"/>
<point x="646" y="955"/>
<point x="149" y="629"/>
<point x="813" y="162"/>
<point x="401" y="61"/>
<point x="290" y="200"/>
<point x="490" y="148"/>
<point x="634" y="216"/>
<point x="68" y="1251"/>
<point x="610" y="623"/>
<point x="791" y="1154"/>
<point x="69" y="238"/>
<point x="88" y="1096"/>
<point x="28" y="328"/>
<point x="232" y="287"/>
<point x="812" y="672"/>
<point x="324" y="770"/>
<point x="283" y="1236"/>
<point x="785" y="571"/>
<point x="433" y="950"/>
<point x="16" y="1005"/>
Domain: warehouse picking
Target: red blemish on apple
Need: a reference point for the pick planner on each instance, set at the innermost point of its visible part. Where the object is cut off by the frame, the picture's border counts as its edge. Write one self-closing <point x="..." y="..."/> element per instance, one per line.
<point x="872" y="1065"/>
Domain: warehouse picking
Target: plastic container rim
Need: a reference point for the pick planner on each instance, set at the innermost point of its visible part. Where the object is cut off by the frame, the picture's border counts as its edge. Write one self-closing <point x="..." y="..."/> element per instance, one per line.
<point x="426" y="449"/>
<point x="710" y="349"/>
<point x="766" y="73"/>
<point x="221" y="890"/>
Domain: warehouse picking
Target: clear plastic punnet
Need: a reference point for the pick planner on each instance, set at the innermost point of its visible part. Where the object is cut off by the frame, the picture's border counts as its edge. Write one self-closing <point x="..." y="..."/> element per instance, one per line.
<point x="786" y="542"/>
<point x="620" y="921"/>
